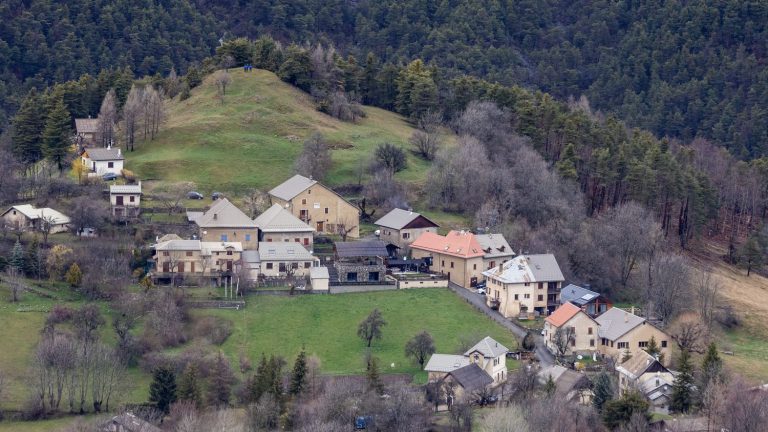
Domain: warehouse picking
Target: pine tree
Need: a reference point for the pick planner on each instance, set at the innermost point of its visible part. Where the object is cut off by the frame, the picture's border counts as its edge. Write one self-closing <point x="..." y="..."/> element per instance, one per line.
<point x="17" y="257"/>
<point x="190" y="386"/>
<point x="566" y="166"/>
<point x="28" y="127"/>
<point x="162" y="391"/>
<point x="682" y="400"/>
<point x="602" y="388"/>
<point x="74" y="276"/>
<point x="711" y="367"/>
<point x="220" y="382"/>
<point x="654" y="350"/>
<point x="299" y="375"/>
<point x="260" y="382"/>
<point x="752" y="254"/>
<point x="550" y="387"/>
<point x="373" y="376"/>
<point x="57" y="133"/>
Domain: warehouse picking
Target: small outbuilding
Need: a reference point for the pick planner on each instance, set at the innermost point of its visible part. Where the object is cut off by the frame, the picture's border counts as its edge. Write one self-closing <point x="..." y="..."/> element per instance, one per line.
<point x="319" y="278"/>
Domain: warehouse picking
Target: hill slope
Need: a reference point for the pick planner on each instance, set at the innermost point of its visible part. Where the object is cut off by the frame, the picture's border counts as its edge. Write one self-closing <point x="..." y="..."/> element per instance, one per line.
<point x="253" y="138"/>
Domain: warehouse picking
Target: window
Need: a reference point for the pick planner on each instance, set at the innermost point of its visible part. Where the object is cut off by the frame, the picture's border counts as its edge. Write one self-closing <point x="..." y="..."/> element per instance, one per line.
<point x="621" y="345"/>
<point x="165" y="253"/>
<point x="294" y="265"/>
<point x="540" y="298"/>
<point x="132" y="198"/>
<point x="442" y="263"/>
<point x="591" y="342"/>
<point x="541" y="285"/>
<point x="306" y="241"/>
<point x="309" y="191"/>
<point x="269" y="266"/>
<point x="326" y="210"/>
<point x="451" y="264"/>
<point x="492" y="264"/>
<point x="517" y="297"/>
<point x="589" y="330"/>
<point x="304" y="201"/>
<point x="551" y="286"/>
<point x="663" y="344"/>
<point x="229" y="252"/>
<point x="573" y="342"/>
<point x="247" y="237"/>
<point x="406" y="235"/>
<point x="189" y="253"/>
<point x="110" y="164"/>
<point x="269" y="240"/>
<point x="223" y="237"/>
<point x="474" y="266"/>
<point x="281" y="267"/>
<point x="642" y="344"/>
<point x="307" y="264"/>
<point x="527" y="296"/>
<point x="316" y="205"/>
<point x="527" y="284"/>
<point x="297" y="240"/>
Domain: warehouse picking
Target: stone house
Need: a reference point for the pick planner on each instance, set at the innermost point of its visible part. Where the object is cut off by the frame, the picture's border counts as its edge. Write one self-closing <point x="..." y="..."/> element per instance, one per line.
<point x="622" y="331"/>
<point x="100" y="161"/>
<point x="277" y="224"/>
<point x="26" y="217"/>
<point x="125" y="201"/>
<point x="401" y="227"/>
<point x="360" y="261"/>
<point x="489" y="355"/>
<point x="592" y="303"/>
<point x="585" y="329"/>
<point x="465" y="383"/>
<point x="224" y="222"/>
<point x="525" y="284"/>
<point x="317" y="205"/>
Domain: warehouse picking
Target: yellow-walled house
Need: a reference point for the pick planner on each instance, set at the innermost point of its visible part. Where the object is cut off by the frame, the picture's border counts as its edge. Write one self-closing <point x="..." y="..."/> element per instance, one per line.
<point x="583" y="338"/>
<point x="457" y="255"/>
<point x="622" y="331"/>
<point x="317" y="205"/>
<point x="524" y="285"/>
<point x="224" y="222"/>
<point x="277" y="224"/>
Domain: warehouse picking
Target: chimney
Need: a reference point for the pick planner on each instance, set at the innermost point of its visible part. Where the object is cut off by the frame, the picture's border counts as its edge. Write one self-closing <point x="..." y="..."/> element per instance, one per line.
<point x="632" y="310"/>
<point x="626" y="317"/>
<point x="118" y="152"/>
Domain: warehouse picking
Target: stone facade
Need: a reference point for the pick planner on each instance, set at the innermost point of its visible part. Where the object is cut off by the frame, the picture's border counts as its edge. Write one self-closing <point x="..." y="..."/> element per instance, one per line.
<point x="362" y="272"/>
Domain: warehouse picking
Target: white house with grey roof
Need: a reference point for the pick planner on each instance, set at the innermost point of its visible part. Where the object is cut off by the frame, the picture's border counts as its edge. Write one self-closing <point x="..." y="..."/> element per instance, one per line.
<point x="526" y="284"/>
<point x="99" y="161"/>
<point x="401" y="227"/>
<point x="277" y="224"/>
<point x="125" y="201"/>
<point x="488" y="354"/>
<point x="278" y="259"/>
<point x="318" y="206"/>
<point x="224" y="222"/>
<point x="621" y="331"/>
<point x="26" y="217"/>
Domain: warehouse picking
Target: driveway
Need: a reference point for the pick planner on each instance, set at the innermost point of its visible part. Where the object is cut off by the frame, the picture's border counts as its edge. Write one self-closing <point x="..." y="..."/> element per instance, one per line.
<point x="478" y="301"/>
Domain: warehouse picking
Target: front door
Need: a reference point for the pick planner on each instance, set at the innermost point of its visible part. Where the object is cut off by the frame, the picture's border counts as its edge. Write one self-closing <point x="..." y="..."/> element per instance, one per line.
<point x="229" y="265"/>
<point x="119" y="200"/>
<point x="320" y="226"/>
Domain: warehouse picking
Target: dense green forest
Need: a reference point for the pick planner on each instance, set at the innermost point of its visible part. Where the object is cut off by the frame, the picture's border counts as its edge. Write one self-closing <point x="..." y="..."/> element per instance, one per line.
<point x="682" y="69"/>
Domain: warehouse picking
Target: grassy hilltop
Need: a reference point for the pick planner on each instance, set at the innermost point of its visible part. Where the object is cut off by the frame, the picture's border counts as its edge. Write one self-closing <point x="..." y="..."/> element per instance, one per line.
<point x="253" y="138"/>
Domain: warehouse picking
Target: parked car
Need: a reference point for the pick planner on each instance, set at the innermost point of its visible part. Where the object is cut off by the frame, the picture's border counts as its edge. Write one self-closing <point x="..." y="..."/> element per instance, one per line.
<point x="195" y="195"/>
<point x="480" y="291"/>
<point x="217" y="195"/>
<point x="480" y="284"/>
<point x="109" y="177"/>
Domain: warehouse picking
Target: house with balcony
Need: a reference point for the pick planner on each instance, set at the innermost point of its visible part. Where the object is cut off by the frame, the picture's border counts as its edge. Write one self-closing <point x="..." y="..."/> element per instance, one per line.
<point x="125" y="201"/>
<point x="277" y="224"/>
<point x="488" y="355"/>
<point x="591" y="302"/>
<point x="99" y="161"/>
<point x="317" y="206"/>
<point x="360" y="261"/>
<point x="224" y="222"/>
<point x="524" y="285"/>
<point x="195" y="261"/>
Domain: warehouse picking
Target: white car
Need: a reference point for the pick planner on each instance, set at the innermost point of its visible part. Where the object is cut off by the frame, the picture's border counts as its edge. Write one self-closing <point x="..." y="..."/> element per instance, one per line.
<point x="481" y="291"/>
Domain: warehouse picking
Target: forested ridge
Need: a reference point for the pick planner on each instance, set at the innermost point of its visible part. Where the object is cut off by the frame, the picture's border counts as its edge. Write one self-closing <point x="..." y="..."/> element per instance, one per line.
<point x="682" y="69"/>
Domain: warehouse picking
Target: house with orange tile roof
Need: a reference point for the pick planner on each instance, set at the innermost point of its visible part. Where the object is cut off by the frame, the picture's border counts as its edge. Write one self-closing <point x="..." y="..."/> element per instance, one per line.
<point x="459" y="255"/>
<point x="582" y="339"/>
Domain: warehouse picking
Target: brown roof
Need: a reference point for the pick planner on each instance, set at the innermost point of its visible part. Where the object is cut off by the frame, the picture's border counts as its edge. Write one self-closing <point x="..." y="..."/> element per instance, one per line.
<point x="462" y="244"/>
<point x="87" y="125"/>
<point x="562" y="314"/>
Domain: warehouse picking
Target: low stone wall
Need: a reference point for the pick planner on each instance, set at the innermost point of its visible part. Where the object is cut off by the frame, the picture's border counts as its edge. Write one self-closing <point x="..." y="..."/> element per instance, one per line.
<point x="342" y="289"/>
<point x="422" y="283"/>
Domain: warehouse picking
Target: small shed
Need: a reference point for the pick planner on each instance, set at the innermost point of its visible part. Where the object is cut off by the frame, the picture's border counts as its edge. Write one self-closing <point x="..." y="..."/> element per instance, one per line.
<point x="319" y="278"/>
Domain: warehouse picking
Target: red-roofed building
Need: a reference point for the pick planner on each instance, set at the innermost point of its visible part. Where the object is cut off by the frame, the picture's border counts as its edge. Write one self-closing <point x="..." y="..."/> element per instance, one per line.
<point x="583" y="337"/>
<point x="459" y="255"/>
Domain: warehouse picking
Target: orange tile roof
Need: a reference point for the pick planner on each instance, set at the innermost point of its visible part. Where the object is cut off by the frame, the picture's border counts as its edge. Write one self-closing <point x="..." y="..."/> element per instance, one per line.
<point x="462" y="244"/>
<point x="562" y="314"/>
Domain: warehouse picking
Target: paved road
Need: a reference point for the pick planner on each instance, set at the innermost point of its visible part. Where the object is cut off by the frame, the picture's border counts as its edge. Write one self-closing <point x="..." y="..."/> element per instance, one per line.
<point x="478" y="301"/>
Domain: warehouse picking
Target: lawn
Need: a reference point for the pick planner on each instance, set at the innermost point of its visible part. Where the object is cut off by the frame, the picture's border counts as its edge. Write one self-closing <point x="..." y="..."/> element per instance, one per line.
<point x="253" y="138"/>
<point x="326" y="326"/>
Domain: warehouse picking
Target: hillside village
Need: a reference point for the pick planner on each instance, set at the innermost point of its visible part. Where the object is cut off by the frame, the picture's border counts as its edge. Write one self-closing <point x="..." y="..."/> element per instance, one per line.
<point x="275" y="305"/>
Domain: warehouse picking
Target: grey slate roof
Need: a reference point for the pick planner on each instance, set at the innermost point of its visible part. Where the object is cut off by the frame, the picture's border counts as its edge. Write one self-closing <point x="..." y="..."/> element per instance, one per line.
<point x="528" y="268"/>
<point x="125" y="189"/>
<point x="471" y="377"/>
<point x="193" y="215"/>
<point x="640" y="362"/>
<point x="283" y="251"/>
<point x="361" y="249"/>
<point x="446" y="362"/>
<point x="616" y="322"/>
<point x="398" y="218"/>
<point x="488" y="347"/>
<point x="292" y="187"/>
<point x="278" y="219"/>
<point x="319" y="273"/>
<point x="496" y="243"/>
<point x="104" y="154"/>
<point x="251" y="256"/>
<point x="224" y="214"/>
<point x="566" y="380"/>
<point x="180" y="245"/>
<point x="577" y="295"/>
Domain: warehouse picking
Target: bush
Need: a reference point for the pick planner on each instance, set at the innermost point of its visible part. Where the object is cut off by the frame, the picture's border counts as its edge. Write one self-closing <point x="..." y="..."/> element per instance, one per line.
<point x="215" y="329"/>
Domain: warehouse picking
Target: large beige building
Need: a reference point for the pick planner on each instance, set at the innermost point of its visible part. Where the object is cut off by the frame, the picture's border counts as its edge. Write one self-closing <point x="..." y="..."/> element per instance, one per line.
<point x="621" y="332"/>
<point x="224" y="222"/>
<point x="525" y="284"/>
<point x="583" y="337"/>
<point x="194" y="260"/>
<point x="401" y="227"/>
<point x="318" y="206"/>
<point x="277" y="224"/>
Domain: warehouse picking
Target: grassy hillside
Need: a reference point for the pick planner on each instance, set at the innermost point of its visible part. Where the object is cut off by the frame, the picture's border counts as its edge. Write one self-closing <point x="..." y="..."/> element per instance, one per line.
<point x="253" y="138"/>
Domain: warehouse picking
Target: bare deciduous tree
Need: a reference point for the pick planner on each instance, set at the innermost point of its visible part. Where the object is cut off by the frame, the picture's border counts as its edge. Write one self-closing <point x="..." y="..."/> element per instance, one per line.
<point x="688" y="332"/>
<point x="667" y="287"/>
<point x="132" y="118"/>
<point x="426" y="140"/>
<point x="105" y="130"/>
<point x="344" y="227"/>
<point x="383" y="191"/>
<point x="708" y="295"/>
<point x="315" y="158"/>
<point x="255" y="202"/>
<point x="222" y="80"/>
<point x="173" y="194"/>
<point x="563" y="338"/>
